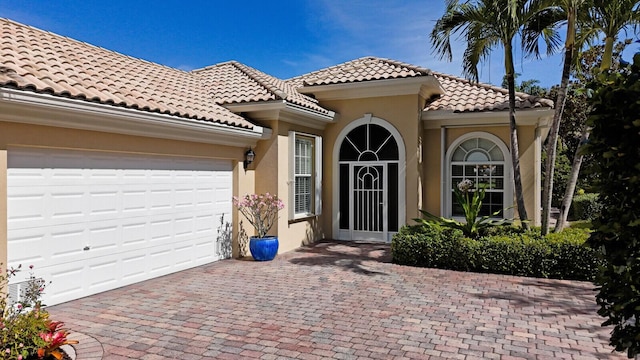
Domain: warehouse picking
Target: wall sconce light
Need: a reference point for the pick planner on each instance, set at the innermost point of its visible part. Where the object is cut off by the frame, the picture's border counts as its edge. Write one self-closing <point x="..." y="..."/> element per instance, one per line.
<point x="249" y="156"/>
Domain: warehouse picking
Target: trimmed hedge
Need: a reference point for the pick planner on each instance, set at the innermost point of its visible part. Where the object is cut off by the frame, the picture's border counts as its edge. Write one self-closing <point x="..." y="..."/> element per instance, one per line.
<point x="507" y="250"/>
<point x="585" y="207"/>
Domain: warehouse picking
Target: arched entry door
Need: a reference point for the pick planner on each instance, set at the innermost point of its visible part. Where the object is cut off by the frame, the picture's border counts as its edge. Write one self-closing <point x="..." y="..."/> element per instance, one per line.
<point x="370" y="182"/>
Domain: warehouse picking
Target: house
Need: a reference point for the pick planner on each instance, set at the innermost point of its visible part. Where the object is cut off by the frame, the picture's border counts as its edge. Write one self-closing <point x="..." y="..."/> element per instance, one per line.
<point x="115" y="170"/>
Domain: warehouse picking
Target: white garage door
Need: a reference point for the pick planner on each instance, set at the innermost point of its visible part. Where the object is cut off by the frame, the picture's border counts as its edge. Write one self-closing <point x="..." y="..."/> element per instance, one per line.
<point x="91" y="222"/>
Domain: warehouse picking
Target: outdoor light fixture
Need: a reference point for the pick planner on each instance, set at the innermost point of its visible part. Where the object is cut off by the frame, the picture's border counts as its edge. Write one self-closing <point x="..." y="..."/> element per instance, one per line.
<point x="249" y="156"/>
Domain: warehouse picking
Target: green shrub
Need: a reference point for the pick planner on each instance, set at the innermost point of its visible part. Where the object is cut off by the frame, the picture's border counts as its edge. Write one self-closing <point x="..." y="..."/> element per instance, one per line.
<point x="428" y="246"/>
<point x="506" y="250"/>
<point x="521" y="255"/>
<point x="585" y="207"/>
<point x="581" y="224"/>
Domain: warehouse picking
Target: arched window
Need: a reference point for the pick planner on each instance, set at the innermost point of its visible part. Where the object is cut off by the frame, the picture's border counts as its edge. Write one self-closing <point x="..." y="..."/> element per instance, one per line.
<point x="480" y="158"/>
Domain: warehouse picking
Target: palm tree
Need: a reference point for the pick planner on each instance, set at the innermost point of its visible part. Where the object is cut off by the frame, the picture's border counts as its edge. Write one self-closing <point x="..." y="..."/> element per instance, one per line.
<point x="609" y="18"/>
<point x="487" y="24"/>
<point x="605" y="18"/>
<point x="571" y="9"/>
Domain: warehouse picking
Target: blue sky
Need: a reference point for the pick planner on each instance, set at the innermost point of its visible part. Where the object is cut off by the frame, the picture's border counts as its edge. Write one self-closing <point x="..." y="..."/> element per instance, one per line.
<point x="283" y="38"/>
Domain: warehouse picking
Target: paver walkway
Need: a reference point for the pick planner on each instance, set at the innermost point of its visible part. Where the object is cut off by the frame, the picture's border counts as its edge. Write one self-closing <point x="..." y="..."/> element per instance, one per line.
<point x="342" y="301"/>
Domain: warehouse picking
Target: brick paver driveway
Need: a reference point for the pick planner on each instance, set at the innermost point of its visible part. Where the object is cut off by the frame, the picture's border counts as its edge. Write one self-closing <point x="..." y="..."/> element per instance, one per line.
<point x="342" y="301"/>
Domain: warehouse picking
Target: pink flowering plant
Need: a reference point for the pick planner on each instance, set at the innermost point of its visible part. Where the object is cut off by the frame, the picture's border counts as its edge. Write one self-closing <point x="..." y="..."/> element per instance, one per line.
<point x="261" y="210"/>
<point x="26" y="332"/>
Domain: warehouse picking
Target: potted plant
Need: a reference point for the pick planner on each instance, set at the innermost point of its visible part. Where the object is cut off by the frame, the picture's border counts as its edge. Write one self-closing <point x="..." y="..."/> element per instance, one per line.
<point x="261" y="210"/>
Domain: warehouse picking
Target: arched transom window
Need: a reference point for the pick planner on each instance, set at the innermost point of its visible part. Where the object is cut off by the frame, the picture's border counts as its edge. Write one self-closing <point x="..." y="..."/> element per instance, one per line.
<point x="482" y="161"/>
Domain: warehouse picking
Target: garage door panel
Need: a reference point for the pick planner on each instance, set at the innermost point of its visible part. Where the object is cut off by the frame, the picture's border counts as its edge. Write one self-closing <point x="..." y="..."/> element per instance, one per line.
<point x="202" y="224"/>
<point x="28" y="206"/>
<point x="134" y="234"/>
<point x="185" y="198"/>
<point x="205" y="252"/>
<point x="65" y="244"/>
<point x="103" y="202"/>
<point x="105" y="273"/>
<point x="66" y="204"/>
<point x="134" y="267"/>
<point x="105" y="237"/>
<point x="183" y="227"/>
<point x="161" y="199"/>
<point x="27" y="177"/>
<point x="205" y="197"/>
<point x="104" y="176"/>
<point x="45" y="247"/>
<point x="184" y="176"/>
<point x="135" y="177"/>
<point x="184" y="255"/>
<point x="160" y="229"/>
<point x="135" y="200"/>
<point x="21" y="245"/>
<point x="160" y="260"/>
<point x="95" y="221"/>
<point x="67" y="282"/>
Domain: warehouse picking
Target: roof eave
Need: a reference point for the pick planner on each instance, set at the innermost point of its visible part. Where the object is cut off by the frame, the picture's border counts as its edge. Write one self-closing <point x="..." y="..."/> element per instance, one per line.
<point x="48" y="110"/>
<point x="283" y="110"/>
<point x="425" y="86"/>
<point x="539" y="117"/>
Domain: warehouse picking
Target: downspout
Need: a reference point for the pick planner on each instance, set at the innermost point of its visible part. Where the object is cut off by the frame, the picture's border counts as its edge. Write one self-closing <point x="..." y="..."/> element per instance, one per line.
<point x="443" y="162"/>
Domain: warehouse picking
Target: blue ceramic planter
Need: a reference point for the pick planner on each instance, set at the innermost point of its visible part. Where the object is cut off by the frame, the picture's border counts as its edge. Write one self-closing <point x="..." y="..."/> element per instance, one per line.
<point x="263" y="249"/>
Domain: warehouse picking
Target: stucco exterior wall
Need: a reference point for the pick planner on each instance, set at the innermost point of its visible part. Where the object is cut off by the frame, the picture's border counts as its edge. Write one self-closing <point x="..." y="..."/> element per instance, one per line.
<point x="403" y="112"/>
<point x="3" y="210"/>
<point x="432" y="167"/>
<point x="272" y="175"/>
<point x="243" y="183"/>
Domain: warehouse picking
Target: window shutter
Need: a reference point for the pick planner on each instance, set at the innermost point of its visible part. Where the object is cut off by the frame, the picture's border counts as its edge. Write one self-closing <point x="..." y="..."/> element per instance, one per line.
<point x="318" y="175"/>
<point x="292" y="168"/>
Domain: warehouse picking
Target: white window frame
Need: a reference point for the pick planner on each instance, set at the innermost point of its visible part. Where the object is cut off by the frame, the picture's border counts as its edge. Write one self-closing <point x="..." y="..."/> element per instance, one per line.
<point x="316" y="175"/>
<point x="508" y="199"/>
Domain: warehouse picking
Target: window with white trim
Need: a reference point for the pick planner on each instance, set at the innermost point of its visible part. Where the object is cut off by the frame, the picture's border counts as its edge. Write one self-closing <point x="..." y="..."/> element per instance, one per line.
<point x="483" y="162"/>
<point x="306" y="175"/>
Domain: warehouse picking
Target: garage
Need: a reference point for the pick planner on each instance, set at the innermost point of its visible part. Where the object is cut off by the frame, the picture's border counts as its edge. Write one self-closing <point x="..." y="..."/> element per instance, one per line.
<point x="94" y="221"/>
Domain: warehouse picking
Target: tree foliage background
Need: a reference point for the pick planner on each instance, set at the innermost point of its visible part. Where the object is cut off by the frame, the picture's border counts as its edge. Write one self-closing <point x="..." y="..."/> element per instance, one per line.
<point x="615" y="136"/>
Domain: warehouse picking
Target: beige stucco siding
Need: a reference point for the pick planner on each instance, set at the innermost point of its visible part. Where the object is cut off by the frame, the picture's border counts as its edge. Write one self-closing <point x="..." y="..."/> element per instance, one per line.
<point x="243" y="183"/>
<point x="272" y="176"/>
<point x="432" y="166"/>
<point x="529" y="167"/>
<point x="14" y="134"/>
<point x="403" y="112"/>
<point x="3" y="209"/>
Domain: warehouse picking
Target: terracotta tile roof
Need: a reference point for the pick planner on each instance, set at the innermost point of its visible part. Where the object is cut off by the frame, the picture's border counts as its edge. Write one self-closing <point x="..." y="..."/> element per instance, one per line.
<point x="462" y="95"/>
<point x="35" y="60"/>
<point x="358" y="70"/>
<point x="233" y="83"/>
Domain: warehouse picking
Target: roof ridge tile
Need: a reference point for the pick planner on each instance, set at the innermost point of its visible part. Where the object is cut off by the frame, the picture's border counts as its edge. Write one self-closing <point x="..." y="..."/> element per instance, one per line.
<point x="366" y="68"/>
<point x="280" y="93"/>
<point x="234" y="82"/>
